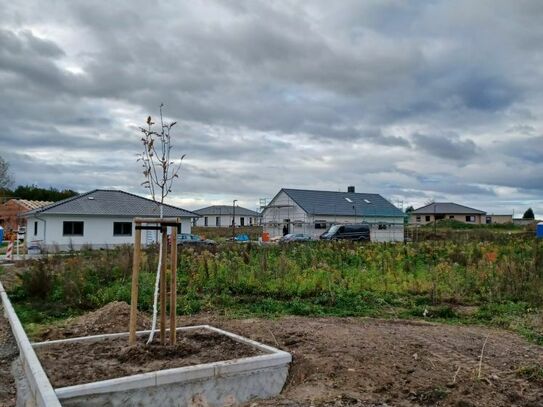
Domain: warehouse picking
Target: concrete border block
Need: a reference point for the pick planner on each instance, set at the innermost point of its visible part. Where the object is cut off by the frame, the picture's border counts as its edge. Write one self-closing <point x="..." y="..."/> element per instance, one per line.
<point x="242" y="379"/>
<point x="40" y="388"/>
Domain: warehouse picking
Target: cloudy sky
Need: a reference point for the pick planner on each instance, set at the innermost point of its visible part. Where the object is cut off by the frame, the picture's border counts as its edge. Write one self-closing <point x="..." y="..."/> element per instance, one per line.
<point x="415" y="100"/>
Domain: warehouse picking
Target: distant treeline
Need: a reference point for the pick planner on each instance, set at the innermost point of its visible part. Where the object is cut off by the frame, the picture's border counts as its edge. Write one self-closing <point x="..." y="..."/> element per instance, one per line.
<point x="35" y="193"/>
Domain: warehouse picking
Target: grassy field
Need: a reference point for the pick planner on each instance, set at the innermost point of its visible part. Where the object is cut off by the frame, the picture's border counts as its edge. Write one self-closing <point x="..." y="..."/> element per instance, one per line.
<point x="498" y="282"/>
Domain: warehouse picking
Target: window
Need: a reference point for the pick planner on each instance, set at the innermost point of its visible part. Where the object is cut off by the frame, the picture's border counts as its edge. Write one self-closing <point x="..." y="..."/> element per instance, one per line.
<point x="349" y="200"/>
<point x="439" y="216"/>
<point x="427" y="218"/>
<point x="367" y="201"/>
<point x="470" y="218"/>
<point x="217" y="221"/>
<point x="488" y="220"/>
<point x="320" y="224"/>
<point x="382" y="227"/>
<point x="451" y="216"/>
<point x="72" y="228"/>
<point x="250" y="221"/>
<point x="205" y="221"/>
<point x="36" y="228"/>
<point x="122" y="228"/>
<point x="418" y="218"/>
<point x="242" y="221"/>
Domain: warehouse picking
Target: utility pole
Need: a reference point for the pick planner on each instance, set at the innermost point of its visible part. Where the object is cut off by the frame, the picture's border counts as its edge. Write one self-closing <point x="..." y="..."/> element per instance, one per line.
<point x="234" y="219"/>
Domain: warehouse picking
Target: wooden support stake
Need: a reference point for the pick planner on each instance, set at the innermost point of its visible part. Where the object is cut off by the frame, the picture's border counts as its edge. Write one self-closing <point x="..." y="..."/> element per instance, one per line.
<point x="163" y="286"/>
<point x="173" y="289"/>
<point x="135" y="283"/>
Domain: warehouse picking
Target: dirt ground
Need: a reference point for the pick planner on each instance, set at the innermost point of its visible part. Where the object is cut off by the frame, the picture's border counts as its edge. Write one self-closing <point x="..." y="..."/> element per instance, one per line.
<point x="8" y="353"/>
<point x="113" y="358"/>
<point x="370" y="362"/>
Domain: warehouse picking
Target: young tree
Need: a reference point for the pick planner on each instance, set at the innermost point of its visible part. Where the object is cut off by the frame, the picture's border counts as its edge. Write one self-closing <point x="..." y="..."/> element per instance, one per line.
<point x="529" y="214"/>
<point x="5" y="178"/>
<point x="409" y="209"/>
<point x="160" y="170"/>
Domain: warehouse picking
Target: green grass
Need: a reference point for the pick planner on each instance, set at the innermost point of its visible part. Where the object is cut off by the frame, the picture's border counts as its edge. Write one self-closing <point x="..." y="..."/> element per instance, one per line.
<point x="500" y="281"/>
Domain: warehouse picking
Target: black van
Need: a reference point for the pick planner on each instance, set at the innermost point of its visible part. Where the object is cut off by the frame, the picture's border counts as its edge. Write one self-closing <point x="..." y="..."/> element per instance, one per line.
<point x="353" y="231"/>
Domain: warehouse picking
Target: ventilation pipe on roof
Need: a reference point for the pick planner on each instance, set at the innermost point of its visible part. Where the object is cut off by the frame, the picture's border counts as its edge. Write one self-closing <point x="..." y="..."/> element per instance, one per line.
<point x="350" y="188"/>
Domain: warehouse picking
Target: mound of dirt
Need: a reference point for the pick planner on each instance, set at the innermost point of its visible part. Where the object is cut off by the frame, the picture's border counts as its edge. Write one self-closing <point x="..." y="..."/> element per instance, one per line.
<point x="112" y="318"/>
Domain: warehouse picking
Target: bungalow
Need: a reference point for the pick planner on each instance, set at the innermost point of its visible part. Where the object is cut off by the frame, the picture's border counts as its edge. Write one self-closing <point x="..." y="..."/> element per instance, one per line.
<point x="446" y="210"/>
<point x="312" y="212"/>
<point x="99" y="218"/>
<point x="222" y="215"/>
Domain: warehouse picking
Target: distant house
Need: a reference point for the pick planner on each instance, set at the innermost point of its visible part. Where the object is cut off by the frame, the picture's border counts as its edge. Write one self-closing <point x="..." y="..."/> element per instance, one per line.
<point x="11" y="210"/>
<point x="222" y="216"/>
<point x="312" y="212"/>
<point x="447" y="210"/>
<point x="99" y="218"/>
<point x="493" y="219"/>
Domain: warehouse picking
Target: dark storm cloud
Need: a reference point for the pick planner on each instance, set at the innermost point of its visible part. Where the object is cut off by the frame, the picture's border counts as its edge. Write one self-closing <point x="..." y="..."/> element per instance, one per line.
<point x="269" y="94"/>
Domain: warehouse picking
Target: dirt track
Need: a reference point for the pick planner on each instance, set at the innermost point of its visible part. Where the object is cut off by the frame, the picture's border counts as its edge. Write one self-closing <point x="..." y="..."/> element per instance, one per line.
<point x="367" y="362"/>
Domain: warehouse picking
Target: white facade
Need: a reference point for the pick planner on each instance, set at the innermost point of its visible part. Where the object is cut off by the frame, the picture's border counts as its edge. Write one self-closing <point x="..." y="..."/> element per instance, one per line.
<point x="215" y="221"/>
<point x="283" y="211"/>
<point x="47" y="231"/>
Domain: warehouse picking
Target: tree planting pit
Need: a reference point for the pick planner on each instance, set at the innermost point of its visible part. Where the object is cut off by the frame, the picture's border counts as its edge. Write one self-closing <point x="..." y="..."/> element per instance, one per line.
<point x="208" y="367"/>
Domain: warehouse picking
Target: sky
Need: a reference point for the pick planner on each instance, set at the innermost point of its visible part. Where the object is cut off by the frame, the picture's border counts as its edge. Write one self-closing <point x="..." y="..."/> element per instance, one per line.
<point x="414" y="100"/>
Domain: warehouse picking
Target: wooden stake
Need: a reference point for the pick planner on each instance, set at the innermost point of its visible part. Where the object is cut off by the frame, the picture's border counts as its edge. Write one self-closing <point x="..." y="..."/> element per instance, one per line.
<point x="135" y="283"/>
<point x="163" y="286"/>
<point x="173" y="289"/>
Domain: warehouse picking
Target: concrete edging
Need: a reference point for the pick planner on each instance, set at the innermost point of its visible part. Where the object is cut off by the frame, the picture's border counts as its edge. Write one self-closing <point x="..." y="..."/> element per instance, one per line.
<point x="40" y="387"/>
<point x="274" y="358"/>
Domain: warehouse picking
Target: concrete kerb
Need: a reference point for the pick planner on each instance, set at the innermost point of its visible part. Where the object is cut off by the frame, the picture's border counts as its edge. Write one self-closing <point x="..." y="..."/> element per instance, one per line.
<point x="41" y="389"/>
<point x="240" y="380"/>
<point x="272" y="359"/>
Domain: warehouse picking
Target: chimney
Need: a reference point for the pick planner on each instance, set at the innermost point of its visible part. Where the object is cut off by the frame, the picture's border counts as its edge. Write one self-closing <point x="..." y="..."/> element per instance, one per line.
<point x="350" y="188"/>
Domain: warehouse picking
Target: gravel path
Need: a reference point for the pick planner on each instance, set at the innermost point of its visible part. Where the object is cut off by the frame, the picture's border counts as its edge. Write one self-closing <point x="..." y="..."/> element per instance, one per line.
<point x="8" y="353"/>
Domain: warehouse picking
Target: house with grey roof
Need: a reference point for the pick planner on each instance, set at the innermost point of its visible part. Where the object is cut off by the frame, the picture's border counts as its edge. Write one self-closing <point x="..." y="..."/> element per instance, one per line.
<point x="313" y="212"/>
<point x="437" y="211"/>
<point x="224" y="215"/>
<point x="99" y="219"/>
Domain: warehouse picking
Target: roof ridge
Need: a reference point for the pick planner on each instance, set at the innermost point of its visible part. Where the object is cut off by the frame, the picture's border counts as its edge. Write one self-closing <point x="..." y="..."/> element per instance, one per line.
<point x="150" y="200"/>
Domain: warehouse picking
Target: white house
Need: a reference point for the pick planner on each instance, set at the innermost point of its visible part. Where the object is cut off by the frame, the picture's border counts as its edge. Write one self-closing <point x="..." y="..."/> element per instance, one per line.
<point x="222" y="216"/>
<point x="99" y="218"/>
<point x="313" y="212"/>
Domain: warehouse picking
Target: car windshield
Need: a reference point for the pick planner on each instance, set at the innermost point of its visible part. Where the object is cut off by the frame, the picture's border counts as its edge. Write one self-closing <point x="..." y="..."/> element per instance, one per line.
<point x="333" y="229"/>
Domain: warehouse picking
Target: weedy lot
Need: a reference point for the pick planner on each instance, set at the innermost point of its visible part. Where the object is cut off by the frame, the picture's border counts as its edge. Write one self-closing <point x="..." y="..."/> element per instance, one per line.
<point x="497" y="282"/>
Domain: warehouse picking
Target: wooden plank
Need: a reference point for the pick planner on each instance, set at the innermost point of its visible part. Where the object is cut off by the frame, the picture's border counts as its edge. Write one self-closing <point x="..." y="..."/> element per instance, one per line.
<point x="135" y="283"/>
<point x="156" y="220"/>
<point x="173" y="289"/>
<point x="163" y="288"/>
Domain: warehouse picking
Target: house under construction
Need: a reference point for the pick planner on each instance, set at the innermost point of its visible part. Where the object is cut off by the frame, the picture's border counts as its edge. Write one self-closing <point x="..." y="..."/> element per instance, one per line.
<point x="313" y="212"/>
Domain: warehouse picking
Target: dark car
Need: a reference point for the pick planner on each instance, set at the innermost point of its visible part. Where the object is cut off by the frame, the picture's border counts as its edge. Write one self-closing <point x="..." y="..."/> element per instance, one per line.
<point x="355" y="231"/>
<point x="188" y="239"/>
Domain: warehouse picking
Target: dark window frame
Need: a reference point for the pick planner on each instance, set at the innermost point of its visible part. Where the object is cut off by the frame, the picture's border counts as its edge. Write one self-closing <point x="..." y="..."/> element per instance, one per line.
<point x="123" y="226"/>
<point x="241" y="221"/>
<point x="428" y="218"/>
<point x="72" y="226"/>
<point x="206" y="221"/>
<point x="35" y="228"/>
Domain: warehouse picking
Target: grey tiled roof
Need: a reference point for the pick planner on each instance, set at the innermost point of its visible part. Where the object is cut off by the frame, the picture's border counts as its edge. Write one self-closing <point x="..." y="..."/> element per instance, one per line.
<point x="110" y="203"/>
<point x="341" y="203"/>
<point x="446" y="208"/>
<point x="226" y="210"/>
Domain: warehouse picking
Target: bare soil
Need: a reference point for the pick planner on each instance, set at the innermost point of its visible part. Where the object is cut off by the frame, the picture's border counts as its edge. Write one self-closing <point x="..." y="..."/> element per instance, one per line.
<point x="112" y="358"/>
<point x="370" y="362"/>
<point x="8" y="353"/>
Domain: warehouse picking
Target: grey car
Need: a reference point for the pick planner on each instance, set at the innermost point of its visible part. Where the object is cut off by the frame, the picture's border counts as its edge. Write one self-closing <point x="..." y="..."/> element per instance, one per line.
<point x="193" y="240"/>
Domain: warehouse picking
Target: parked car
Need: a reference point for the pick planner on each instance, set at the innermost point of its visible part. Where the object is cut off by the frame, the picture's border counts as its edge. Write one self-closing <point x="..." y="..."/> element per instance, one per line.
<point x="296" y="237"/>
<point x="242" y="238"/>
<point x="188" y="239"/>
<point x="354" y="231"/>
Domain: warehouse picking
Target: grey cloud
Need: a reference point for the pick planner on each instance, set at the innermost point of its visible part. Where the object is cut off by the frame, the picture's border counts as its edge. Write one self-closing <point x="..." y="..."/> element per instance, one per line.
<point x="448" y="146"/>
<point x="270" y="94"/>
